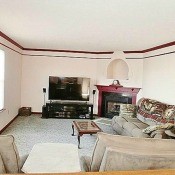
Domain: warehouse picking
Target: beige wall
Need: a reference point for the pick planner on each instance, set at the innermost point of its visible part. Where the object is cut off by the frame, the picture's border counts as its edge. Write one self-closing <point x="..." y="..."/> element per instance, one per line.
<point x="12" y="86"/>
<point x="135" y="71"/>
<point x="36" y="71"/>
<point x="159" y="76"/>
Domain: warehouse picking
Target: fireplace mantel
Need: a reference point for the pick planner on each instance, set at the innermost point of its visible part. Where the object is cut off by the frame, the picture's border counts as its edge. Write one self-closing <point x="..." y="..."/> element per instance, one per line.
<point x="130" y="91"/>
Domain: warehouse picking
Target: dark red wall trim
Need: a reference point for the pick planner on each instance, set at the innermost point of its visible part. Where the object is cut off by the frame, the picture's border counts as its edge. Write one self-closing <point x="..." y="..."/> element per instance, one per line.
<point x="110" y="52"/>
<point x="9" y="48"/>
<point x="58" y="56"/>
<point x="133" y="52"/>
<point x="88" y="52"/>
<point x="159" y="47"/>
<point x="10" y="40"/>
<point x="153" y="48"/>
<point x="68" y="51"/>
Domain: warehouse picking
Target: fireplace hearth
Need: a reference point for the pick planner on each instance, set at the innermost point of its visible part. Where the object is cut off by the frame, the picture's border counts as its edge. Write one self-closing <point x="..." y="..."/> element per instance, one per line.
<point x="110" y="98"/>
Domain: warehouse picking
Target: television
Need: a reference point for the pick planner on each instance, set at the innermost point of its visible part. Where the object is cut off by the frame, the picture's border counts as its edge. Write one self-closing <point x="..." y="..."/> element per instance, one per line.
<point x="69" y="88"/>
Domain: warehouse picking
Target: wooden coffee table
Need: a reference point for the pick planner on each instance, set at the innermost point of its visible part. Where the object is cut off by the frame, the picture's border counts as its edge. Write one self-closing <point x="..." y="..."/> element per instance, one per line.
<point x="84" y="127"/>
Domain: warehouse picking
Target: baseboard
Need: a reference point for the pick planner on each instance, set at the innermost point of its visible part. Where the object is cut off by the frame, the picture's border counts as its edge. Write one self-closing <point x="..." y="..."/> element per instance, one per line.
<point x="36" y="112"/>
<point x="8" y="124"/>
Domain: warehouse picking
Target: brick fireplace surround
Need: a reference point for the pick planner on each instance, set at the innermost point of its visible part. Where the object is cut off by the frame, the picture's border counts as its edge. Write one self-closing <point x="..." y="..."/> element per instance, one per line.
<point x="117" y="94"/>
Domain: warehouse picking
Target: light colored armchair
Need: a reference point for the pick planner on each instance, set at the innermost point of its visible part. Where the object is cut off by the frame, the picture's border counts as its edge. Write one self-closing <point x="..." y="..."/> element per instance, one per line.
<point x="115" y="152"/>
<point x="10" y="162"/>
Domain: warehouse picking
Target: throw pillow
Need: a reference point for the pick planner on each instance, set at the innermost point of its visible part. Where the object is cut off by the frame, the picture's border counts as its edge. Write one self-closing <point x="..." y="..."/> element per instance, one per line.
<point x="128" y="110"/>
<point x="119" y="159"/>
<point x="150" y="129"/>
<point x="169" y="112"/>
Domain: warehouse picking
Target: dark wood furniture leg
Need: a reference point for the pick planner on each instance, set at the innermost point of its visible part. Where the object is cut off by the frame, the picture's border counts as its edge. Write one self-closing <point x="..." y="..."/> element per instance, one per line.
<point x="79" y="135"/>
<point x="91" y="114"/>
<point x="78" y="141"/>
<point x="73" y="130"/>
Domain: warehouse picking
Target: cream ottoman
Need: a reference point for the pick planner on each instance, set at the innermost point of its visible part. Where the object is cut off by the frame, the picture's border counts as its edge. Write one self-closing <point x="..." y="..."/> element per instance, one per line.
<point x="52" y="158"/>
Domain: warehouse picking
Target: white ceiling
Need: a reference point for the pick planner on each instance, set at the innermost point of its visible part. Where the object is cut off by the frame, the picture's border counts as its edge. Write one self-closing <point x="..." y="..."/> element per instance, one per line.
<point x="91" y="25"/>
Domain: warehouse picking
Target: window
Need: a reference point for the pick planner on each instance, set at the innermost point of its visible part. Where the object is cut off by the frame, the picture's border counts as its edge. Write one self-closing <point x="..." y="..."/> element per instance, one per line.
<point x="2" y="67"/>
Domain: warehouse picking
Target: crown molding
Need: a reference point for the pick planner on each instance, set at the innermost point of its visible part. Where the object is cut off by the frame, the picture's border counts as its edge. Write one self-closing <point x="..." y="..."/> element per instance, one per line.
<point x="68" y="51"/>
<point x="153" y="48"/>
<point x="10" y="40"/>
<point x="159" y="47"/>
<point x="86" y="52"/>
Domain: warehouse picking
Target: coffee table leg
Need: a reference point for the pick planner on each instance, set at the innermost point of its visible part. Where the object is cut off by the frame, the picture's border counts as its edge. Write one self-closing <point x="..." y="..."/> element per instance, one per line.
<point x="73" y="129"/>
<point x="78" y="141"/>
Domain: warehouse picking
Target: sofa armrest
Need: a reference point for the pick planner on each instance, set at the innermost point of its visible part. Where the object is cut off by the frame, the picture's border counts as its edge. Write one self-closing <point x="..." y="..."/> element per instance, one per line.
<point x="85" y="162"/>
<point x="159" y="134"/>
<point x="2" y="167"/>
<point x="22" y="160"/>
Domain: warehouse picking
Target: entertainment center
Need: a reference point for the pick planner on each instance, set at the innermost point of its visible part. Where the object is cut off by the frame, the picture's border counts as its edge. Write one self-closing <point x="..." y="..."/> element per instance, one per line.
<point x="68" y="110"/>
<point x="69" y="98"/>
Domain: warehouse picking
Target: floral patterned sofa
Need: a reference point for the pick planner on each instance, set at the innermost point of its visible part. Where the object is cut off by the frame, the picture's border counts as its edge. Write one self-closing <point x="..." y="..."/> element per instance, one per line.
<point x="150" y="119"/>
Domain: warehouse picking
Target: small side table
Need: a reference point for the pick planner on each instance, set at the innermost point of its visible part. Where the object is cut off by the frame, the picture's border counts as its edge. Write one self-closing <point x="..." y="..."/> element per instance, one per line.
<point x="85" y="127"/>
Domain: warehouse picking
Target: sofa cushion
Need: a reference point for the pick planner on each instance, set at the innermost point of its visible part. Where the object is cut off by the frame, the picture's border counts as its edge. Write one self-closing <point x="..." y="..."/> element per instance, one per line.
<point x="148" y="121"/>
<point x="136" y="132"/>
<point x="119" y="120"/>
<point x="130" y="126"/>
<point x="107" y="140"/>
<point x="119" y="159"/>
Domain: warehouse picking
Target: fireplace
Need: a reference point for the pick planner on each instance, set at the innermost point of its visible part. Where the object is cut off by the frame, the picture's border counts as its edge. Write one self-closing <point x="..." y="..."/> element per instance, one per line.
<point x="110" y="98"/>
<point x="111" y="103"/>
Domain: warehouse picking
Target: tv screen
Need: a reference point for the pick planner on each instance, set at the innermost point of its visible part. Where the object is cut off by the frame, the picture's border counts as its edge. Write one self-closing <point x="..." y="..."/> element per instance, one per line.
<point x="69" y="88"/>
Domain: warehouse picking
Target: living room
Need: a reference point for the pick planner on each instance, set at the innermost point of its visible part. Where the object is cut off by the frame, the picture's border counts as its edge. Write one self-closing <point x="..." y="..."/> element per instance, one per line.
<point x="83" y="46"/>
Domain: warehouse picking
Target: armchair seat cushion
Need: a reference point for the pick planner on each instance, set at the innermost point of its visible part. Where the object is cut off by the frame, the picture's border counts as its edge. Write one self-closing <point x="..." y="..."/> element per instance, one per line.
<point x="119" y="159"/>
<point x="152" y="146"/>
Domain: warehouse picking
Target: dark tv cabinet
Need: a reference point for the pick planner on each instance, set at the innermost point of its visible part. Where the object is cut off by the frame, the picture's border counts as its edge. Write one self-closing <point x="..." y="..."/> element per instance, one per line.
<point x="68" y="110"/>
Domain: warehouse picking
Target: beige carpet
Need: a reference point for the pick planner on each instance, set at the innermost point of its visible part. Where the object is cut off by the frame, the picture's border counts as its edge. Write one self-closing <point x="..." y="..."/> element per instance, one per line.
<point x="103" y="121"/>
<point x="33" y="129"/>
